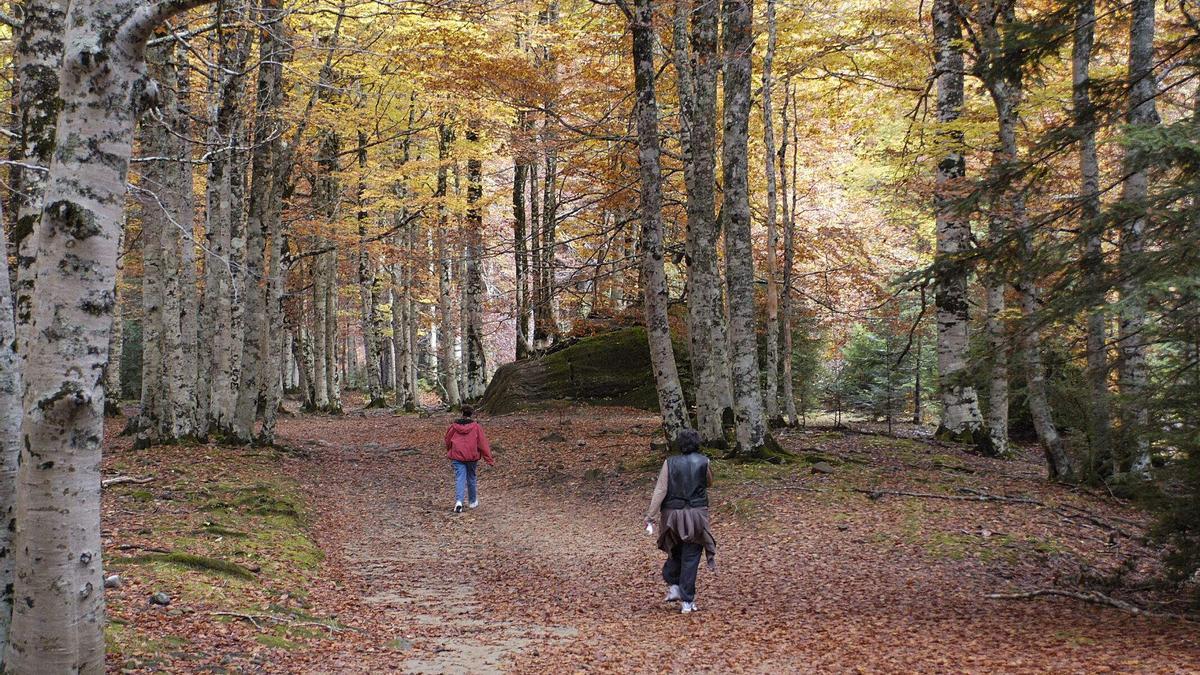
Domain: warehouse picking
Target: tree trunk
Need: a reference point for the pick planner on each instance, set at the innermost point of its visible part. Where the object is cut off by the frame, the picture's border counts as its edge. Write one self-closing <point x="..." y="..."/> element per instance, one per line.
<point x="173" y="202"/>
<point x="1133" y="368"/>
<point x="752" y="435"/>
<point x="1004" y="82"/>
<point x="372" y="340"/>
<point x="153" y="422"/>
<point x="274" y="344"/>
<point x="116" y="340"/>
<point x="333" y="384"/>
<point x="446" y="337"/>
<point x="520" y="255"/>
<point x="1092" y="228"/>
<point x="707" y="333"/>
<point x="38" y="54"/>
<point x="789" y="264"/>
<point x="319" y="332"/>
<point x="658" y="329"/>
<point x="961" y="419"/>
<point x="58" y="620"/>
<point x="10" y="440"/>
<point x="256" y="343"/>
<point x="475" y="358"/>
<point x="771" y="395"/>
<point x="220" y="344"/>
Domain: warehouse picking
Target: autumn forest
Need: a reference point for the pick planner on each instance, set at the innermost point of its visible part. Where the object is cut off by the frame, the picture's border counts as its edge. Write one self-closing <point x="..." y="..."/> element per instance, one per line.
<point x="923" y="278"/>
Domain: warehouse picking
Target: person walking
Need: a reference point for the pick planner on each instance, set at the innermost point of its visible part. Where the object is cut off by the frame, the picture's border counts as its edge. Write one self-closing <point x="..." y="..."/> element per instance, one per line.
<point x="465" y="445"/>
<point x="681" y="498"/>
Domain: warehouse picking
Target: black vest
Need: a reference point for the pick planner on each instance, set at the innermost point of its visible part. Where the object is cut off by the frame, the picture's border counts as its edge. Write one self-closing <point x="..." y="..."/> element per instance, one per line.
<point x="687" y="481"/>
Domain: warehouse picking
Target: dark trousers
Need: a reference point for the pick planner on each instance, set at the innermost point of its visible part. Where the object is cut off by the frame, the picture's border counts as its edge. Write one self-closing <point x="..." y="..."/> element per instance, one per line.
<point x="680" y="568"/>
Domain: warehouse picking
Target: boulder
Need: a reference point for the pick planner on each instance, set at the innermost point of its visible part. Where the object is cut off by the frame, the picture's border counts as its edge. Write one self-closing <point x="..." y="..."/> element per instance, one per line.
<point x="607" y="369"/>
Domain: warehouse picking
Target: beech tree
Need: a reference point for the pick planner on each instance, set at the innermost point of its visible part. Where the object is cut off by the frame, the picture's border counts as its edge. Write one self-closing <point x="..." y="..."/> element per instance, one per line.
<point x="708" y="334"/>
<point x="1141" y="113"/>
<point x="961" y="419"/>
<point x="655" y="294"/>
<point x="753" y="437"/>
<point x="58" y="615"/>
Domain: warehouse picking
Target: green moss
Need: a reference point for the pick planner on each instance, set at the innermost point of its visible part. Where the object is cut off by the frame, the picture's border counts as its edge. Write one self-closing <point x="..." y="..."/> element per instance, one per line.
<point x="142" y="495"/>
<point x="196" y="562"/>
<point x="276" y="642"/>
<point x="221" y="531"/>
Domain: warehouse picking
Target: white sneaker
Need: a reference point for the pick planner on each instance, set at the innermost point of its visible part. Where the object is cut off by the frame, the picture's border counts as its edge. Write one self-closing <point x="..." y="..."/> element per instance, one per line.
<point x="673" y="594"/>
<point x="458" y="507"/>
<point x="687" y="608"/>
<point x="474" y="504"/>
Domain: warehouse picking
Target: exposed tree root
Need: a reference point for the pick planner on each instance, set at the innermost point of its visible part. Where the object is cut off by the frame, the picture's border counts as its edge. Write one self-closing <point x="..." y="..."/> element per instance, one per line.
<point x="119" y="480"/>
<point x="1094" y="597"/>
<point x="256" y="618"/>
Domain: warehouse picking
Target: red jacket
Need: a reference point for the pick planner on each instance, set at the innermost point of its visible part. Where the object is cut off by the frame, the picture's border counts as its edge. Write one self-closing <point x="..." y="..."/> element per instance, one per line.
<point x="465" y="442"/>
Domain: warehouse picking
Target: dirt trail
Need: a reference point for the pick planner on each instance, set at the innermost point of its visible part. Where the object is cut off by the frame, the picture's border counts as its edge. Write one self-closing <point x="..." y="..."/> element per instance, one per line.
<point x="552" y="572"/>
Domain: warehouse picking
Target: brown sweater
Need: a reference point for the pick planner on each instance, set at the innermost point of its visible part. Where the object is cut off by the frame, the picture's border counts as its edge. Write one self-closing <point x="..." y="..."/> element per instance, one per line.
<point x="686" y="525"/>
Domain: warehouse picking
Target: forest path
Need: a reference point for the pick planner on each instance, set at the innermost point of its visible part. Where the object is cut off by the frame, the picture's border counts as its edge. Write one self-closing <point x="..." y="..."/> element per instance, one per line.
<point x="554" y="574"/>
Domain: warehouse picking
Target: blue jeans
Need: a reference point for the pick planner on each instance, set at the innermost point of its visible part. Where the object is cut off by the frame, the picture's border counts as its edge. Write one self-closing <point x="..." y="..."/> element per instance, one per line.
<point x="464" y="480"/>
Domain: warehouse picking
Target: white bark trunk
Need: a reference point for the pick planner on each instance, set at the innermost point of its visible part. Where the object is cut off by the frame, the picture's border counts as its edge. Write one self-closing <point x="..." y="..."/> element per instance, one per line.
<point x="475" y="356"/>
<point x="771" y="395"/>
<point x="1134" y="369"/>
<point x="38" y="54"/>
<point x="10" y="439"/>
<point x="58" y="619"/>
<point x="707" y="326"/>
<point x="1092" y="263"/>
<point x="961" y="419"/>
<point x="752" y="434"/>
<point x="654" y="291"/>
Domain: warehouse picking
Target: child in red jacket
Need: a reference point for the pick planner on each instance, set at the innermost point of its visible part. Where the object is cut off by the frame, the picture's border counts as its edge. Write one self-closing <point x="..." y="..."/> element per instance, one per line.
<point x="465" y="444"/>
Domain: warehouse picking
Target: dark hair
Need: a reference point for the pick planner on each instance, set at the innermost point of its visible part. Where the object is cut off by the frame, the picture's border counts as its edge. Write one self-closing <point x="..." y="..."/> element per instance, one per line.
<point x="688" y="441"/>
<point x="467" y="411"/>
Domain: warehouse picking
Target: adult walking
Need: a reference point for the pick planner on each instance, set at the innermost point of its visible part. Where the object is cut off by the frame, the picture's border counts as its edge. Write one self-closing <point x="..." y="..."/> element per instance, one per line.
<point x="681" y="497"/>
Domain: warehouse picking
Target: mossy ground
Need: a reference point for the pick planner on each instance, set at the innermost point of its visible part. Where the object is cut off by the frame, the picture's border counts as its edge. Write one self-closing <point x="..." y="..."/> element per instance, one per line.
<point x="218" y="530"/>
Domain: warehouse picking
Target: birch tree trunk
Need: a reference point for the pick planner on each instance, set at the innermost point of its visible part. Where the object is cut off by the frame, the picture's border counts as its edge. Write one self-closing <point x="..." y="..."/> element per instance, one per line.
<point x="752" y="435"/>
<point x="220" y="342"/>
<point x="655" y="293"/>
<point x="116" y="341"/>
<point x="961" y="419"/>
<point x="789" y="265"/>
<point x="274" y="346"/>
<point x="153" y="424"/>
<point x="520" y="255"/>
<point x="707" y="332"/>
<point x="332" y="373"/>
<point x="366" y="284"/>
<point x="1133" y="368"/>
<point x="38" y="54"/>
<point x="771" y="395"/>
<point x="475" y="357"/>
<point x="263" y="200"/>
<point x="58" y="619"/>
<point x="1004" y="82"/>
<point x="446" y="330"/>
<point x="320" y="358"/>
<point x="173" y="203"/>
<point x="1092" y="263"/>
<point x="546" y="322"/>
<point x="10" y="440"/>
